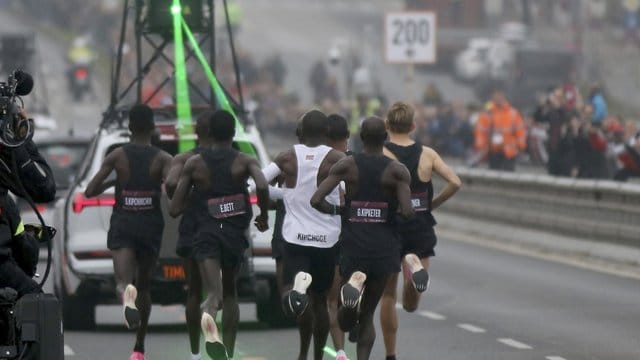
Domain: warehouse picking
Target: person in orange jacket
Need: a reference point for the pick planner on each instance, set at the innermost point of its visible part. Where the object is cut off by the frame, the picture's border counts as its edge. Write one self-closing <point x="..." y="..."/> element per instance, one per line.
<point x="500" y="133"/>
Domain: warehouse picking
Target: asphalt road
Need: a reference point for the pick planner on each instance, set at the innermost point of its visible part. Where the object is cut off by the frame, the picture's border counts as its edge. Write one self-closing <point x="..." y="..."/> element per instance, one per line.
<point x="483" y="304"/>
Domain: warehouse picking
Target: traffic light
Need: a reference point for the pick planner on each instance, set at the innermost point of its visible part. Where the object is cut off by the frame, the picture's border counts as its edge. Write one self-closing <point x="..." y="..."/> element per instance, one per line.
<point x="160" y="15"/>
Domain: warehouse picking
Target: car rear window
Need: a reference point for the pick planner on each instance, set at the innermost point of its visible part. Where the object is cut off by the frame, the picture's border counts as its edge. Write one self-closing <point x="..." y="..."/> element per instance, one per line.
<point x="64" y="159"/>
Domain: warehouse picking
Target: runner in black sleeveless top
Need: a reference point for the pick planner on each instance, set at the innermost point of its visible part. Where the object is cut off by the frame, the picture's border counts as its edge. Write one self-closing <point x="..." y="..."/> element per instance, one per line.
<point x="137" y="224"/>
<point x="417" y="235"/>
<point x="187" y="231"/>
<point x="338" y="140"/>
<point x="376" y="187"/>
<point x="219" y="177"/>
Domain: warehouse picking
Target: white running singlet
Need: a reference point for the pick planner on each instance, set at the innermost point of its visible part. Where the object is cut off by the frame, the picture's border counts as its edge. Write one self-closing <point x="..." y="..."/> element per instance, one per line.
<point x="304" y="225"/>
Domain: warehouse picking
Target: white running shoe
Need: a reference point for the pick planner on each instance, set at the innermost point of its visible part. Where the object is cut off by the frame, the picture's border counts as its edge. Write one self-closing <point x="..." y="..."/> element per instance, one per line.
<point x="298" y="300"/>
<point x="417" y="273"/>
<point x="351" y="292"/>
<point x="213" y="345"/>
<point x="129" y="309"/>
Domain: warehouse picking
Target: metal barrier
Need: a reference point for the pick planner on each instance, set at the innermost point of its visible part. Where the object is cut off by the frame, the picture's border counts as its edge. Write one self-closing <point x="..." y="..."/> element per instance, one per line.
<point x="601" y="210"/>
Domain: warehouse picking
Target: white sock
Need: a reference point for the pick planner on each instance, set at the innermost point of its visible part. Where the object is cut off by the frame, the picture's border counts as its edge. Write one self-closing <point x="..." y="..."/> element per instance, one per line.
<point x="341" y="352"/>
<point x="196" y="356"/>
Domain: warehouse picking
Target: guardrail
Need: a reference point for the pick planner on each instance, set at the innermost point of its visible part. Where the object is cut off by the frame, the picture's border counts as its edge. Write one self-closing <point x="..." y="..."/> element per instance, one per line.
<point x="601" y="210"/>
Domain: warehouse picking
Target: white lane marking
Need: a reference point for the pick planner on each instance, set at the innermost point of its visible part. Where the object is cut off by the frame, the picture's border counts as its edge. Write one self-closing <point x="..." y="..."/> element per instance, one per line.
<point x="68" y="351"/>
<point x="432" y="315"/>
<point x="472" y="328"/>
<point x="428" y="314"/>
<point x="515" y="344"/>
<point x="555" y="358"/>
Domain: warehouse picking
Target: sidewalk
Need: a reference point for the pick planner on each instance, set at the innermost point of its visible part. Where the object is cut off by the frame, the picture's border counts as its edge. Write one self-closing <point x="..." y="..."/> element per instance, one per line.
<point x="597" y="255"/>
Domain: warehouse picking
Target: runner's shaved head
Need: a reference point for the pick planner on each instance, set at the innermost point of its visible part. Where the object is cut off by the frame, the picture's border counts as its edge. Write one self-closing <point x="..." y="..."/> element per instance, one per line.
<point x="202" y="124"/>
<point x="373" y="132"/>
<point x="314" y="125"/>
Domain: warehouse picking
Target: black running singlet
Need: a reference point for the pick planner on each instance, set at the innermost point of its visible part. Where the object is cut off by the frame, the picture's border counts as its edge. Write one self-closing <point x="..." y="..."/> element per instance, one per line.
<point x="137" y="209"/>
<point x="421" y="192"/>
<point x="368" y="227"/>
<point x="226" y="201"/>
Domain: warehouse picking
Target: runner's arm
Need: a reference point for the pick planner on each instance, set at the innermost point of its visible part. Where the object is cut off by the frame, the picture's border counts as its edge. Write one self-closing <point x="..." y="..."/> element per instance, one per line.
<point x="270" y="172"/>
<point x="336" y="175"/>
<point x="97" y="185"/>
<point x="262" y="191"/>
<point x="403" y="191"/>
<point x="276" y="193"/>
<point x="179" y="200"/>
<point x="166" y="165"/>
<point x="453" y="181"/>
<point x="261" y="183"/>
<point x="171" y="182"/>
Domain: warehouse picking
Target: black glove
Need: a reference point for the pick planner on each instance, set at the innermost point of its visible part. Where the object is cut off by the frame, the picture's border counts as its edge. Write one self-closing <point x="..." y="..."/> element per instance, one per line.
<point x="26" y="250"/>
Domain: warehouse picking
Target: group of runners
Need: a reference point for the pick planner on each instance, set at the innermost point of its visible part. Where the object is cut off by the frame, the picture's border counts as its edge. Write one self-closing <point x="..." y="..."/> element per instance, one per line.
<point x="346" y="225"/>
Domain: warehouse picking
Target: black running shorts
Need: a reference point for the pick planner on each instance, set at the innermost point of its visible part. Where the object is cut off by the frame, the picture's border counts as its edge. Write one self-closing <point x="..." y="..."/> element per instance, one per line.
<point x="277" y="247"/>
<point x="417" y="237"/>
<point x="184" y="246"/>
<point x="374" y="268"/>
<point x="187" y="233"/>
<point x="223" y="242"/>
<point x="118" y="239"/>
<point x="319" y="262"/>
<point x="277" y="241"/>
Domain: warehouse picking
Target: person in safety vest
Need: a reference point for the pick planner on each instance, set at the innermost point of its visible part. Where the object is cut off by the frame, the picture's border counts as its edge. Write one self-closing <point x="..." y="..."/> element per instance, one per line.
<point x="500" y="133"/>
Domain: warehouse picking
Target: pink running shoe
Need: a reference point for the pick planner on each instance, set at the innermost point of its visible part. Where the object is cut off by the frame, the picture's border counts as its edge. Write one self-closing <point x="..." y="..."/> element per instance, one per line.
<point x="136" y="355"/>
<point x="342" y="355"/>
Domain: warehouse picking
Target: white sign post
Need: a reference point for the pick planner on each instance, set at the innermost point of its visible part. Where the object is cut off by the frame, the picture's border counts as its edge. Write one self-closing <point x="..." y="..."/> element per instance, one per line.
<point x="410" y="38"/>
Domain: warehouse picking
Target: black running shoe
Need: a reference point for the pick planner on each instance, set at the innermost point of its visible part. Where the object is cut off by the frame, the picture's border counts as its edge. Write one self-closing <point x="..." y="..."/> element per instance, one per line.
<point x="351" y="292"/>
<point x="297" y="299"/>
<point x="129" y="309"/>
<point x="212" y="343"/>
<point x="419" y="275"/>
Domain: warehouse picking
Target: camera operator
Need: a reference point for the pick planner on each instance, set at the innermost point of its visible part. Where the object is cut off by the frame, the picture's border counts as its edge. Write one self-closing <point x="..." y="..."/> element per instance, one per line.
<point x="19" y="248"/>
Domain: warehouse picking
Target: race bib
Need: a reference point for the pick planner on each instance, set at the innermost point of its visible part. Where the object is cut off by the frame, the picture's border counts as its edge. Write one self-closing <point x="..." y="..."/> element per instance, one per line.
<point x="420" y="202"/>
<point x="227" y="206"/>
<point x="137" y="200"/>
<point x="497" y="139"/>
<point x="368" y="212"/>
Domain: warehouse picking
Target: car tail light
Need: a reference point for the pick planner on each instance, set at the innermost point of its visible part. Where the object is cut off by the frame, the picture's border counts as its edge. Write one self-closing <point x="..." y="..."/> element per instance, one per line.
<point x="253" y="199"/>
<point x="80" y="201"/>
<point x="81" y="73"/>
<point x="93" y="255"/>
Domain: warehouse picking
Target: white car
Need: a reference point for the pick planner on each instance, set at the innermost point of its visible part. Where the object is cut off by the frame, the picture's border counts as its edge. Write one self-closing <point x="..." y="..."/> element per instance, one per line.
<point x="472" y="62"/>
<point x="83" y="268"/>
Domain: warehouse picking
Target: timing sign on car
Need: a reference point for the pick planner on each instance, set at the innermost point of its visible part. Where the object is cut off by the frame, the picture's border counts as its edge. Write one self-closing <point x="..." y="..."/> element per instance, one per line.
<point x="410" y="37"/>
